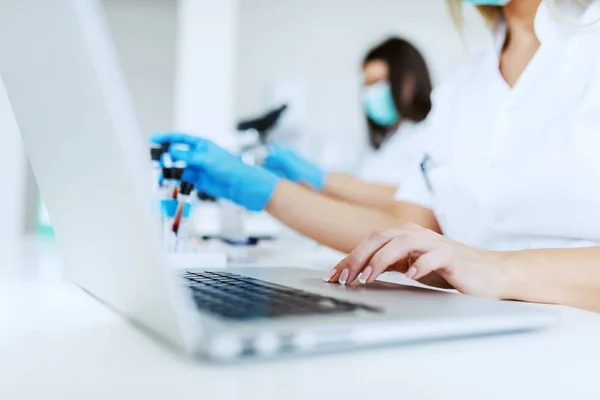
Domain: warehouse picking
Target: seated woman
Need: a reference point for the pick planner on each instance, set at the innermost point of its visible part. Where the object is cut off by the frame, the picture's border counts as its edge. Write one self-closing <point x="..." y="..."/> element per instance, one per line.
<point x="396" y="99"/>
<point x="510" y="177"/>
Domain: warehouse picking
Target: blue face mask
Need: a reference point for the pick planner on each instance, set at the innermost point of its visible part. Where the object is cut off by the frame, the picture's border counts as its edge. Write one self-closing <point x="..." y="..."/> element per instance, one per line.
<point x="488" y="2"/>
<point x="379" y="104"/>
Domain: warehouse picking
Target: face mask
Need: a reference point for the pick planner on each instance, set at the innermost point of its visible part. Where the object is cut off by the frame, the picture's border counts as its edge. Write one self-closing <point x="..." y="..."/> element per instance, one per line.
<point x="379" y="104"/>
<point x="488" y="2"/>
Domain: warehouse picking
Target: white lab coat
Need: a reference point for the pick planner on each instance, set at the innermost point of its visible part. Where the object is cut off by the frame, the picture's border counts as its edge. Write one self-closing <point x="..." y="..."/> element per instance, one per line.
<point x="516" y="168"/>
<point x="396" y="157"/>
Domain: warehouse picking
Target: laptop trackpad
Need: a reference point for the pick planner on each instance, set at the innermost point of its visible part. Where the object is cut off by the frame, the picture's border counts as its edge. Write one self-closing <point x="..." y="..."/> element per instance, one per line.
<point x="312" y="280"/>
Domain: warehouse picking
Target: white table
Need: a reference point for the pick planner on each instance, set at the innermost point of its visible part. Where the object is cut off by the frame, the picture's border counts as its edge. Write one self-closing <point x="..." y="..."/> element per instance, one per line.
<point x="56" y="342"/>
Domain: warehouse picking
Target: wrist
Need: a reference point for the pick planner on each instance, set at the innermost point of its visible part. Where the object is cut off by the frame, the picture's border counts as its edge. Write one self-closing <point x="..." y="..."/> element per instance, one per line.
<point x="319" y="179"/>
<point x="328" y="183"/>
<point x="278" y="200"/>
<point x="309" y="174"/>
<point x="254" y="194"/>
<point x="510" y="274"/>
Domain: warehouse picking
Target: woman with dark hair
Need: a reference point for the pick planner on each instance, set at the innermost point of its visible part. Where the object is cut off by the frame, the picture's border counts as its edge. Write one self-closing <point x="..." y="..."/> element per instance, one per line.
<point x="396" y="97"/>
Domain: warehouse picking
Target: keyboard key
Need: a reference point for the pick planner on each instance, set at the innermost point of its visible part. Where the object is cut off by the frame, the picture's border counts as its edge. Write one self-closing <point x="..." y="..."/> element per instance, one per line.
<point x="237" y="297"/>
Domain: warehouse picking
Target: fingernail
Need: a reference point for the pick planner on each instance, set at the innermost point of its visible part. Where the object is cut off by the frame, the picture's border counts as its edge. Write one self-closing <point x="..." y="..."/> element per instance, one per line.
<point x="344" y="276"/>
<point x="330" y="275"/>
<point x="411" y="273"/>
<point x="365" y="275"/>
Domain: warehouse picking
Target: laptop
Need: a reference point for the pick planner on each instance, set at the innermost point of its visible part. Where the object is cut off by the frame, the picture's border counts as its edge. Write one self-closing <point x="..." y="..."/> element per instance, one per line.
<point x="61" y="73"/>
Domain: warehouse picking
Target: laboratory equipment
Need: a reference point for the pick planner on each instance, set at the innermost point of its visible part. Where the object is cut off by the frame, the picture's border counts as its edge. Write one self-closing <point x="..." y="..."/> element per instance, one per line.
<point x="172" y="196"/>
<point x="180" y="225"/>
<point x="156" y="153"/>
<point x="124" y="268"/>
<point x="157" y="180"/>
<point x="253" y="135"/>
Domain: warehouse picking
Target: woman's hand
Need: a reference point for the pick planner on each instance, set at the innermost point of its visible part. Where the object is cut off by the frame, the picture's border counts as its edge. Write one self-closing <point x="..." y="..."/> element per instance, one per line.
<point x="285" y="162"/>
<point x="218" y="173"/>
<point x="418" y="252"/>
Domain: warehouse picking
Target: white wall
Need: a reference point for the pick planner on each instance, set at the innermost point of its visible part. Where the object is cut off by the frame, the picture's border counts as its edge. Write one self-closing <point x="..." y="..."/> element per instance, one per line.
<point x="321" y="43"/>
<point x="145" y="34"/>
<point x="179" y="61"/>
<point x="12" y="176"/>
<point x="205" y="68"/>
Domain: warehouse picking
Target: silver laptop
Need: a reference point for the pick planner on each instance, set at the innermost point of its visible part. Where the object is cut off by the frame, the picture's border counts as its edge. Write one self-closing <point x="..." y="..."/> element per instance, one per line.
<point x="60" y="70"/>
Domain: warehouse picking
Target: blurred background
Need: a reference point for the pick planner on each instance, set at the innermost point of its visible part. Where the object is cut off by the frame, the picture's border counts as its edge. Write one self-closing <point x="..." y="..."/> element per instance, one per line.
<point x="203" y="65"/>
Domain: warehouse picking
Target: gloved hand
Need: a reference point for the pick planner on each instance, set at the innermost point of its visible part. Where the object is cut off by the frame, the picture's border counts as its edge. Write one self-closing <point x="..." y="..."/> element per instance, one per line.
<point x="285" y="162"/>
<point x="216" y="172"/>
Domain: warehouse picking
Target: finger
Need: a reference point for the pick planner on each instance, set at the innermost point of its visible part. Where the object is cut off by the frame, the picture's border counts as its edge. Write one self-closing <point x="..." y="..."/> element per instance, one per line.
<point x="189" y="175"/>
<point x="181" y="155"/>
<point x="206" y="184"/>
<point x="275" y="157"/>
<point x="399" y="250"/>
<point x="403" y="265"/>
<point x="175" y="137"/>
<point x="272" y="162"/>
<point x="275" y="148"/>
<point x="333" y="276"/>
<point x="364" y="251"/>
<point x="279" y="148"/>
<point x="277" y="172"/>
<point x="358" y="259"/>
<point x="428" y="263"/>
<point x="400" y="266"/>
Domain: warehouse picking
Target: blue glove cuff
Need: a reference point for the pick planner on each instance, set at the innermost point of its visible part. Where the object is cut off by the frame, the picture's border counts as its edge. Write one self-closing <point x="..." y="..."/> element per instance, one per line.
<point x="314" y="176"/>
<point x="254" y="195"/>
<point x="287" y="163"/>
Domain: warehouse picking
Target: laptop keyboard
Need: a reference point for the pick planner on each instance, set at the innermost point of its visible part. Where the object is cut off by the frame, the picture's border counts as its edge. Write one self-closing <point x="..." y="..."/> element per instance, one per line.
<point x="238" y="297"/>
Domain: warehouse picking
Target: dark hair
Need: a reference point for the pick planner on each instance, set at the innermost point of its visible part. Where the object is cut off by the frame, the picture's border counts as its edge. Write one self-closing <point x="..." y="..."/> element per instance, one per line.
<point x="403" y="59"/>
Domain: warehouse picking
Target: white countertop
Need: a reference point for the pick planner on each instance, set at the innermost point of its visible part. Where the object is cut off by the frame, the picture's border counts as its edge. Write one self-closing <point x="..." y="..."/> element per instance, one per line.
<point x="56" y="342"/>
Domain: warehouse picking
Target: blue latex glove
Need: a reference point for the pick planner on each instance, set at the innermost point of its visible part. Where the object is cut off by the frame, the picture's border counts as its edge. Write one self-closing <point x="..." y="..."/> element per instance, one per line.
<point x="285" y="162"/>
<point x="218" y="173"/>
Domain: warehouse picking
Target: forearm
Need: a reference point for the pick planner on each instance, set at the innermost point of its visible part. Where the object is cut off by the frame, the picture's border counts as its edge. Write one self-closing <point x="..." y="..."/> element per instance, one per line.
<point x="331" y="222"/>
<point x="559" y="276"/>
<point x="353" y="190"/>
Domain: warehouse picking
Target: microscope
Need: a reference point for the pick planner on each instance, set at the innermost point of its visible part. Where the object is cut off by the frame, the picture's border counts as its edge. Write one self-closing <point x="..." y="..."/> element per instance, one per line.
<point x="253" y="141"/>
<point x="254" y="135"/>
